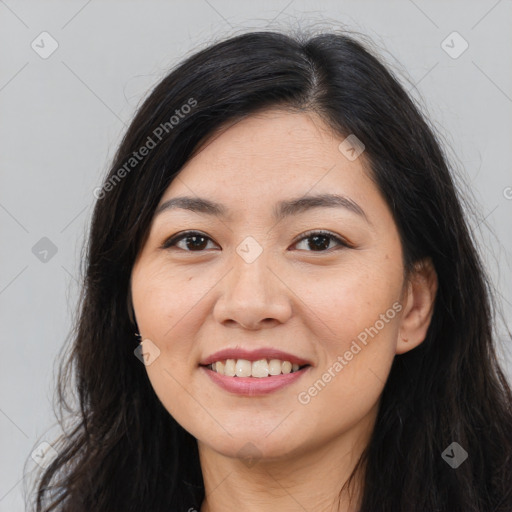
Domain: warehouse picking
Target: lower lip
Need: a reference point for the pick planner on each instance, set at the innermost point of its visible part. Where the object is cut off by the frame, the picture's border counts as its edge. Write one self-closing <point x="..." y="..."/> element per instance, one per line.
<point x="252" y="386"/>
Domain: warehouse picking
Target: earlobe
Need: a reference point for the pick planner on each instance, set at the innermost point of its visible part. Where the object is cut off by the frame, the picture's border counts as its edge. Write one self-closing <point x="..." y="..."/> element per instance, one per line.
<point x="419" y="306"/>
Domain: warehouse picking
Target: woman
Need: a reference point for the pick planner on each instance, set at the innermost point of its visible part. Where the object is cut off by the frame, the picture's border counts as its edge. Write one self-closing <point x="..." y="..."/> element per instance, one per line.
<point x="283" y="306"/>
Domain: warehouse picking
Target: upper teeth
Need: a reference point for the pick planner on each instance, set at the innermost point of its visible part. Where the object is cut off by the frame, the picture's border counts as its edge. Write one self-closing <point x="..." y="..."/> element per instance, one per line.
<point x="260" y="368"/>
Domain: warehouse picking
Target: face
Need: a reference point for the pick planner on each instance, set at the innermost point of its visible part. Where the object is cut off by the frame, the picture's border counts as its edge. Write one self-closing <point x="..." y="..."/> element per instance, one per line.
<point x="263" y="280"/>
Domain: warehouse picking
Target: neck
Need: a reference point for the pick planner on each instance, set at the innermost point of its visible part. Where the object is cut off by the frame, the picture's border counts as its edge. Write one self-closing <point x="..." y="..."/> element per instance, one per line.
<point x="311" y="480"/>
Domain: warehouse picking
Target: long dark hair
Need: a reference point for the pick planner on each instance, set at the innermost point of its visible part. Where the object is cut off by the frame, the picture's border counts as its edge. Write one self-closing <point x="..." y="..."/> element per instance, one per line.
<point x="124" y="452"/>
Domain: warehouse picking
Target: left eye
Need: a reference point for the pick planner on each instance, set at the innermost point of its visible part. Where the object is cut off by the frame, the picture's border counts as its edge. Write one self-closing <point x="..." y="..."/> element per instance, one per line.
<point x="319" y="241"/>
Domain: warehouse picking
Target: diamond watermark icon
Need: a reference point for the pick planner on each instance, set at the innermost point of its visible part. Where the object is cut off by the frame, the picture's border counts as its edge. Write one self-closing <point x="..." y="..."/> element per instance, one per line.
<point x="44" y="45"/>
<point x="147" y="352"/>
<point x="44" y="454"/>
<point x="249" y="249"/>
<point x="351" y="147"/>
<point x="454" y="455"/>
<point x="250" y="454"/>
<point x="44" y="250"/>
<point x="454" y="45"/>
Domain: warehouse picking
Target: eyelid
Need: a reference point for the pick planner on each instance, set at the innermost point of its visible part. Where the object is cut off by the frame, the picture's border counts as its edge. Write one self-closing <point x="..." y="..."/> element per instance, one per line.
<point x="177" y="237"/>
<point x="341" y="241"/>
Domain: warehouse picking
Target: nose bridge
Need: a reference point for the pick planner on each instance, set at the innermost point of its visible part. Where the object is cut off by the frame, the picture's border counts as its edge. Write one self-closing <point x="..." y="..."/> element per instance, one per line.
<point x="251" y="293"/>
<point x="250" y="273"/>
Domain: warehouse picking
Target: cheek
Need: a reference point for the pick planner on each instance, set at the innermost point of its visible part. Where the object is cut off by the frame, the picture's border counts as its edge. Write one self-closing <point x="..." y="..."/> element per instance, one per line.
<point x="356" y="352"/>
<point x="166" y="304"/>
<point x="349" y="299"/>
<point x="356" y="336"/>
<point x="164" y="298"/>
<point x="163" y="311"/>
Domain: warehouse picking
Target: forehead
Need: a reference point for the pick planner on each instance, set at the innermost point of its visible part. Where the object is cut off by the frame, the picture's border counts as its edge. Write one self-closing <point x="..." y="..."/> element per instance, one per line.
<point x="270" y="154"/>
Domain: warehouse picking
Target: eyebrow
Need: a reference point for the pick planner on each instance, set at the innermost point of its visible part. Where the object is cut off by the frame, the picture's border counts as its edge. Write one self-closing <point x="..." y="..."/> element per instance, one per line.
<point x="282" y="210"/>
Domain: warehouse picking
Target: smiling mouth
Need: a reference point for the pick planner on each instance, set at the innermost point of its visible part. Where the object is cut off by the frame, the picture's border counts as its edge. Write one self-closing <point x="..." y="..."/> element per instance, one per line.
<point x="259" y="369"/>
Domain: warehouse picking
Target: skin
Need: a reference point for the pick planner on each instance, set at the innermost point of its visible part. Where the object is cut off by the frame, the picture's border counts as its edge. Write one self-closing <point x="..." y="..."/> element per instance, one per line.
<point x="312" y="303"/>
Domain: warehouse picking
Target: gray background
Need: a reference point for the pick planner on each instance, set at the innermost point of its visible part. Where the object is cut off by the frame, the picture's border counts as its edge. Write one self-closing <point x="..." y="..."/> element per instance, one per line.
<point x="62" y="118"/>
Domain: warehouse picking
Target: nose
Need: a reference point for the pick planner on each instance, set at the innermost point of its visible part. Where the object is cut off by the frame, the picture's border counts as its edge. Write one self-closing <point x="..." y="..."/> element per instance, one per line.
<point x="253" y="296"/>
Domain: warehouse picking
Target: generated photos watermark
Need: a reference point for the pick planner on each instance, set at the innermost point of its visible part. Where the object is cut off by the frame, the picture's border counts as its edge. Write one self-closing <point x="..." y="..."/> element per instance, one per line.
<point x="151" y="143"/>
<point x="305" y="397"/>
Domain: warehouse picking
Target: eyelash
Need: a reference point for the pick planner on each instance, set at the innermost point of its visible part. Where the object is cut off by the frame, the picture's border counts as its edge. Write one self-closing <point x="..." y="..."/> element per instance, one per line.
<point x="309" y="234"/>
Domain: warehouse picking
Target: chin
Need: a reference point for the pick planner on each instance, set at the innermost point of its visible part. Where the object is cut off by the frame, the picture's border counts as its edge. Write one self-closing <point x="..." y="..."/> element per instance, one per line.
<point x="251" y="446"/>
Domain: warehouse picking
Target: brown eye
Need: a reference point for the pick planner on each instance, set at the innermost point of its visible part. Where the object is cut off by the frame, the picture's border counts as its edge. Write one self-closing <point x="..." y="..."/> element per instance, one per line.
<point x="320" y="241"/>
<point x="316" y="241"/>
<point x="193" y="241"/>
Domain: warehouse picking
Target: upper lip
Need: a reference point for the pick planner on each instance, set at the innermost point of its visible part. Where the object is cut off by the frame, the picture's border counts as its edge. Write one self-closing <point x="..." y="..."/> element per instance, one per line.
<point x="253" y="355"/>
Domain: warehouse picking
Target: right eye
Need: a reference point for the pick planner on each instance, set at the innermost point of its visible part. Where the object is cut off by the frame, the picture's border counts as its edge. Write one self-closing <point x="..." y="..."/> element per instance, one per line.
<point x="194" y="241"/>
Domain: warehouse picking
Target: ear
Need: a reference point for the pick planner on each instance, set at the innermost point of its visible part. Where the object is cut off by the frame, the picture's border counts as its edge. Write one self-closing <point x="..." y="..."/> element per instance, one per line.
<point x="418" y="299"/>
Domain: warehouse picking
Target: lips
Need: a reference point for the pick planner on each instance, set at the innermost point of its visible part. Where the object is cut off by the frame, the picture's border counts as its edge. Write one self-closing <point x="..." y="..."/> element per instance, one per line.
<point x="251" y="386"/>
<point x="254" y="355"/>
<point x="267" y="380"/>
